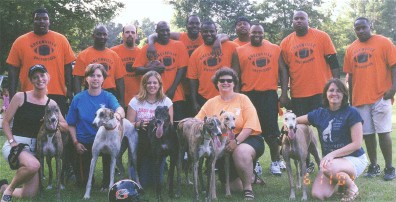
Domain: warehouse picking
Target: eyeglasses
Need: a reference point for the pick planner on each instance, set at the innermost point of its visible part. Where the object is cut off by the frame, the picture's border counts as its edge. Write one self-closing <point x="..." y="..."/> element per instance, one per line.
<point x="226" y="80"/>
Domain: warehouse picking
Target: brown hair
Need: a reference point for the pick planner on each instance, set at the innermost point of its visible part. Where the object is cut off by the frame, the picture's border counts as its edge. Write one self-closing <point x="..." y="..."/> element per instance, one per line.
<point x="142" y="95"/>
<point x="91" y="68"/>
<point x="340" y="85"/>
<point x="223" y="72"/>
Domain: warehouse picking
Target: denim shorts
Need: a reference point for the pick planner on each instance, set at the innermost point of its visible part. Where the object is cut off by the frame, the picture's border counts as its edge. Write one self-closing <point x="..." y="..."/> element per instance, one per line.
<point x="25" y="140"/>
<point x="359" y="163"/>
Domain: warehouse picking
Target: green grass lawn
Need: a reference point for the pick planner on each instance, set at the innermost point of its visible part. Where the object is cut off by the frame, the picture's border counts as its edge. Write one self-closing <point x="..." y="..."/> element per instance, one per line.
<point x="276" y="189"/>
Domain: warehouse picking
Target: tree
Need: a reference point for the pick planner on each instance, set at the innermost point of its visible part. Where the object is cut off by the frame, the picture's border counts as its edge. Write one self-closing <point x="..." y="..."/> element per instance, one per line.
<point x="148" y="27"/>
<point x="223" y="12"/>
<point x="74" y="19"/>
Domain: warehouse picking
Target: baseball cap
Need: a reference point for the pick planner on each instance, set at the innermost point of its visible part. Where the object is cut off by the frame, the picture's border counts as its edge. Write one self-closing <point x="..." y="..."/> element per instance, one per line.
<point x="35" y="68"/>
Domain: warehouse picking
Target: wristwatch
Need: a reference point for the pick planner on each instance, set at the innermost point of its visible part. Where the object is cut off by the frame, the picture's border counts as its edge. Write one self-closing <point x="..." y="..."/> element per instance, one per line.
<point x="237" y="142"/>
<point x="11" y="141"/>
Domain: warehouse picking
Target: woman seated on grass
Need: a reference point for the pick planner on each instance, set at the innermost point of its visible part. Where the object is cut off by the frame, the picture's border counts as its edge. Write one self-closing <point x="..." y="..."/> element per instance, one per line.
<point x="343" y="156"/>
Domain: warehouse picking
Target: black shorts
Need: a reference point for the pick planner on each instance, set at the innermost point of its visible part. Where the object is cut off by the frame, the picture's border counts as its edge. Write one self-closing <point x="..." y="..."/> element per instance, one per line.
<point x="301" y="106"/>
<point x="61" y="100"/>
<point x="266" y="104"/>
<point x="257" y="142"/>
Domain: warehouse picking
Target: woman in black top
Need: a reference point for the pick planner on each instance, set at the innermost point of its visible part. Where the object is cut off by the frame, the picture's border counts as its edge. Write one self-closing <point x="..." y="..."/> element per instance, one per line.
<point x="27" y="110"/>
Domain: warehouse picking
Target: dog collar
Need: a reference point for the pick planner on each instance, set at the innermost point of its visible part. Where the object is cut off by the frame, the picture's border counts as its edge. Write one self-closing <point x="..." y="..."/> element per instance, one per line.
<point x="111" y="128"/>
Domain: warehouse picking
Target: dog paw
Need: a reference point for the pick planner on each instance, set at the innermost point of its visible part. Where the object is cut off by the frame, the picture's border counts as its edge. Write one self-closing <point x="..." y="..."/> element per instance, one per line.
<point x="292" y="197"/>
<point x="86" y="196"/>
<point x="304" y="198"/>
<point x="49" y="187"/>
<point x="228" y="196"/>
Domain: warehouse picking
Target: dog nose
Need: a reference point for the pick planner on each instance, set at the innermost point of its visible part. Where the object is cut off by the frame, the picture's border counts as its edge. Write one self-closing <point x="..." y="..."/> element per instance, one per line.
<point x="53" y="119"/>
<point x="158" y="122"/>
<point x="233" y="127"/>
<point x="291" y="127"/>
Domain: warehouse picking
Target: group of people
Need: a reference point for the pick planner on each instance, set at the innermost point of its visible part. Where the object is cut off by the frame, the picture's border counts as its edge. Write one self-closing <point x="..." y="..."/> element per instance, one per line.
<point x="200" y="73"/>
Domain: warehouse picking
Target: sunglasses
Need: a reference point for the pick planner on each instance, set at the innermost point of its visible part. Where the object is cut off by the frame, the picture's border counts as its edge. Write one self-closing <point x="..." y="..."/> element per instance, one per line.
<point x="226" y="80"/>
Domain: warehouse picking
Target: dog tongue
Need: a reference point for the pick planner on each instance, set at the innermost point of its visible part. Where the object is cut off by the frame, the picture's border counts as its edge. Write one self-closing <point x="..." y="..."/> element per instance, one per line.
<point x="159" y="131"/>
<point x="291" y="134"/>
<point x="53" y="125"/>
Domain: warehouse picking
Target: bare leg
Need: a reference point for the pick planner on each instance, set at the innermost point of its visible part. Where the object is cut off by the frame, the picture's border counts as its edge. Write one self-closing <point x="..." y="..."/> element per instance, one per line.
<point x="371" y="146"/>
<point x="26" y="175"/>
<point x="385" y="143"/>
<point x="243" y="157"/>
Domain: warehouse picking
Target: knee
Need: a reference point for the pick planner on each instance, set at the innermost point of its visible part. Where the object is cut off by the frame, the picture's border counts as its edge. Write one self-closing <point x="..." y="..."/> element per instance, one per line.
<point x="319" y="194"/>
<point x="33" y="165"/>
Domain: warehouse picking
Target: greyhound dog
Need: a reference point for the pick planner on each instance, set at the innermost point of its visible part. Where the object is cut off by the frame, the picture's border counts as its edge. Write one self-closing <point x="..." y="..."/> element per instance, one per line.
<point x="227" y="121"/>
<point x="108" y="140"/>
<point x="50" y="144"/>
<point x="298" y="142"/>
<point x="163" y="142"/>
<point x="196" y="137"/>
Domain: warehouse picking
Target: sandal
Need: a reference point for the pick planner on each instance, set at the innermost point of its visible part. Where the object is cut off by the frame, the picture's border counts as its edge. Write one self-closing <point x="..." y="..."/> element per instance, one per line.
<point x="257" y="179"/>
<point x="248" y="195"/>
<point x="349" y="195"/>
<point x="6" y="198"/>
<point x="3" y="182"/>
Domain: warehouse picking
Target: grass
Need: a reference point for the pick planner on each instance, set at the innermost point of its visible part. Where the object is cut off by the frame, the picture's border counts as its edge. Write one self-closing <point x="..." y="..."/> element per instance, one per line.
<point x="276" y="189"/>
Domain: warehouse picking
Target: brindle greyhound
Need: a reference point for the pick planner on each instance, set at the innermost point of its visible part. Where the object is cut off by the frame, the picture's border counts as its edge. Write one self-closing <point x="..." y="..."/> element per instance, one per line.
<point x="49" y="144"/>
<point x="163" y="142"/>
<point x="298" y="141"/>
<point x="196" y="137"/>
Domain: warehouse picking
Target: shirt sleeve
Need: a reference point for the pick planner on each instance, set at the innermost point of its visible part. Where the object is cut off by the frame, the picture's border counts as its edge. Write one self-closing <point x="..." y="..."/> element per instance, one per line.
<point x="141" y="60"/>
<point x="313" y="116"/>
<point x="328" y="45"/>
<point x="347" y="64"/>
<point x="192" y="70"/>
<point x="79" y="67"/>
<point x="120" y="71"/>
<point x="184" y="58"/>
<point x="72" y="114"/>
<point x="249" y="114"/>
<point x="13" y="58"/>
<point x="113" y="102"/>
<point x="69" y="54"/>
<point x="354" y="117"/>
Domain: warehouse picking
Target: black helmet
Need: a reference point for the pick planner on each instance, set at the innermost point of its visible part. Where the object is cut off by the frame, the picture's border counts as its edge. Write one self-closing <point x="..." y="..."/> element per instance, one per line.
<point x="125" y="190"/>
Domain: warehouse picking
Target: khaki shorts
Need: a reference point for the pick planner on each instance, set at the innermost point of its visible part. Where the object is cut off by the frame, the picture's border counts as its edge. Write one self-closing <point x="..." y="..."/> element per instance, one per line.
<point x="29" y="141"/>
<point x="377" y="117"/>
<point x="359" y="163"/>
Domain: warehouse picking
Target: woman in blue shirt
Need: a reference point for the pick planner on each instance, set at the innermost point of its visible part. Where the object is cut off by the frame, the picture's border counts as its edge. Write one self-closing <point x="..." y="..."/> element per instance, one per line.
<point x="341" y="136"/>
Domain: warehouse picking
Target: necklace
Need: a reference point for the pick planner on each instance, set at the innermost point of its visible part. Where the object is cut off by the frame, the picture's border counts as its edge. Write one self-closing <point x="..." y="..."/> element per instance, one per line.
<point x="152" y="102"/>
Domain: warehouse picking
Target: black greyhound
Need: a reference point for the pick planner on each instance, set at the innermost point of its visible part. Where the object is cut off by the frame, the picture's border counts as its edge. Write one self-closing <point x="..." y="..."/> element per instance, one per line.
<point x="163" y="142"/>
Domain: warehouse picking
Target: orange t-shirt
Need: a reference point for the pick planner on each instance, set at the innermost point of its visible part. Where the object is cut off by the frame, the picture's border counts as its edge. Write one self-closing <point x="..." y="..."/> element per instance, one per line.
<point x="108" y="58"/>
<point x="369" y="63"/>
<point x="51" y="50"/>
<point x="259" y="66"/>
<point x="131" y="79"/>
<point x="243" y="109"/>
<point x="239" y="42"/>
<point x="191" y="45"/>
<point x="305" y="57"/>
<point x="174" y="56"/>
<point x="203" y="65"/>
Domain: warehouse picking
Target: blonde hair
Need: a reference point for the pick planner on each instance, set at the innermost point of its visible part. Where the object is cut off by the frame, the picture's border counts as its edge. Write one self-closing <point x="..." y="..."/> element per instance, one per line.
<point x="142" y="95"/>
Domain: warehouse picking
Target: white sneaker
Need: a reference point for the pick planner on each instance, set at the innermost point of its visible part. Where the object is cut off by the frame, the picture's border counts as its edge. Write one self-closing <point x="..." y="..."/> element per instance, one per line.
<point x="282" y="165"/>
<point x="258" y="169"/>
<point x="275" y="169"/>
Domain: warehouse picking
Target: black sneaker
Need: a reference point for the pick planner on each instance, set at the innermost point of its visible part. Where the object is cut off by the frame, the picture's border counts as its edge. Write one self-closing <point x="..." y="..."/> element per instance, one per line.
<point x="372" y="171"/>
<point x="389" y="174"/>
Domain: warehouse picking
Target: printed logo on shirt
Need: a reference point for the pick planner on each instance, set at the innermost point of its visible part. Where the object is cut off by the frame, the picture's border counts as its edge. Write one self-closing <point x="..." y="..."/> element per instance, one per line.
<point x="304" y="52"/>
<point x="260" y="61"/>
<point x="363" y="57"/>
<point x="44" y="50"/>
<point x="326" y="134"/>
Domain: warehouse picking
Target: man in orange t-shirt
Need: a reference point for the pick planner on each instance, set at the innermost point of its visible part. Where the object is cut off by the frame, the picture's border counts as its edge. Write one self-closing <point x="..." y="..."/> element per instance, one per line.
<point x="203" y="64"/>
<point x="370" y="62"/>
<point x="46" y="47"/>
<point x="258" y="63"/>
<point x="99" y="53"/>
<point x="171" y="62"/>
<point x="242" y="28"/>
<point x="128" y="52"/>
<point x="311" y="61"/>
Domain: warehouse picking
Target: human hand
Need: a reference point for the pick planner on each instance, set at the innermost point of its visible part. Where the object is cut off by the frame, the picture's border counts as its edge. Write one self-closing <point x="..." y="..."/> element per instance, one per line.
<point x="285" y="101"/>
<point x="231" y="146"/>
<point x="151" y="52"/>
<point x="216" y="49"/>
<point x="80" y="148"/>
<point x="326" y="161"/>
